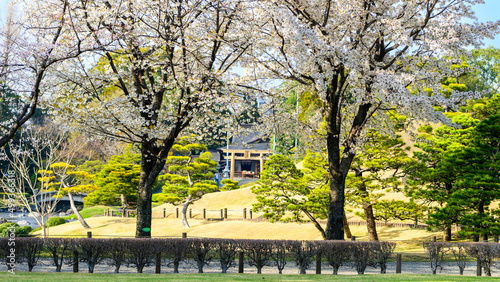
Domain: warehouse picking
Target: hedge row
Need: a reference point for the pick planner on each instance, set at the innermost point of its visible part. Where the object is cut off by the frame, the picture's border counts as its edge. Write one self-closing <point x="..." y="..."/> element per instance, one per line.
<point x="483" y="253"/>
<point x="140" y="253"/>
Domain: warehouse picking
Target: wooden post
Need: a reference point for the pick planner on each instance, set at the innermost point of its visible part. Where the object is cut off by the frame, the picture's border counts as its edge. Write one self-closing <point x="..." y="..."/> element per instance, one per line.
<point x="241" y="261"/>
<point x="158" y="263"/>
<point x="353" y="238"/>
<point x="75" y="261"/>
<point x="244" y="213"/>
<point x="433" y="238"/>
<point x="184" y="235"/>
<point x="176" y="212"/>
<point x="190" y="213"/>
<point x="105" y="212"/>
<point x="478" y="268"/>
<point x="233" y="166"/>
<point x="164" y="212"/>
<point x="398" y="263"/>
<point x="204" y="213"/>
<point x="495" y="239"/>
<point x="225" y="213"/>
<point x="251" y="214"/>
<point x="221" y="213"/>
<point x="89" y="234"/>
<point x="318" y="263"/>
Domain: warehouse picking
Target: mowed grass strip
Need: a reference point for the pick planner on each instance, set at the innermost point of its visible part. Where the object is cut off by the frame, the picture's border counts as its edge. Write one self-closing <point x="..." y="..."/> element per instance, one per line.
<point x="43" y="276"/>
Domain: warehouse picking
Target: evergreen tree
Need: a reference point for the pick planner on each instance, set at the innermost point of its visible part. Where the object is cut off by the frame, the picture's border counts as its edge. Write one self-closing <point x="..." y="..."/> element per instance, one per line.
<point x="188" y="178"/>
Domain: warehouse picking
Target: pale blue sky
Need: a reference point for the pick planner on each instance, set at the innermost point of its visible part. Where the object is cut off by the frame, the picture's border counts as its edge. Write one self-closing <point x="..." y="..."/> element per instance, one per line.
<point x="490" y="11"/>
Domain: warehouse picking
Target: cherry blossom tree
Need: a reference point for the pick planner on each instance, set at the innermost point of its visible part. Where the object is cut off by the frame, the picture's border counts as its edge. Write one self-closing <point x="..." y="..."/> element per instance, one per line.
<point x="362" y="57"/>
<point x="161" y="68"/>
<point x="32" y="45"/>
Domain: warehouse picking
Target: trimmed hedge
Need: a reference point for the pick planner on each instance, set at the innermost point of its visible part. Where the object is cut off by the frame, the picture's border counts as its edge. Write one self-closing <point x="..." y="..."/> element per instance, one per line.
<point x="482" y="252"/>
<point x="171" y="252"/>
<point x="54" y="221"/>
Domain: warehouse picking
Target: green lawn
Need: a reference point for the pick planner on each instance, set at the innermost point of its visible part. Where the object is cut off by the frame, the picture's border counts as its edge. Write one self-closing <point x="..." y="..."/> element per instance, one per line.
<point x="44" y="276"/>
<point x="91" y="211"/>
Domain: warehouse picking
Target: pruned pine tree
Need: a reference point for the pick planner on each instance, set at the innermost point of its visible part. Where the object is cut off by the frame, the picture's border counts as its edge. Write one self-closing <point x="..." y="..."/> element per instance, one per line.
<point x="188" y="177"/>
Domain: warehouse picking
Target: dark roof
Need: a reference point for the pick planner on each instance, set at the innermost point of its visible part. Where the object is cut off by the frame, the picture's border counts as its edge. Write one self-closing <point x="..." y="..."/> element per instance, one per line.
<point x="252" y="141"/>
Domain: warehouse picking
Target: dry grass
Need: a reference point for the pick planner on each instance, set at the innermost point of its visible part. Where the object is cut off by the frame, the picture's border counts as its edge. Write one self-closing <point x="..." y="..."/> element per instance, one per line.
<point x="236" y="199"/>
<point x="409" y="240"/>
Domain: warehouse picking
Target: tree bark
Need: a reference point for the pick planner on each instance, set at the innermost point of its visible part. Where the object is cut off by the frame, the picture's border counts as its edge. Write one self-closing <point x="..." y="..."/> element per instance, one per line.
<point x="77" y="213"/>
<point x="339" y="167"/>
<point x="347" y="230"/>
<point x="185" y="223"/>
<point x="447" y="228"/>
<point x="123" y="199"/>
<point x="371" y="226"/>
<point x="316" y="223"/>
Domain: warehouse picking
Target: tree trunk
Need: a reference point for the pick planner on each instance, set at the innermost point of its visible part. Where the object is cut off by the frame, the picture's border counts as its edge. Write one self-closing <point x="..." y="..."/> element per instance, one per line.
<point x="370" y="221"/>
<point x="316" y="223"/>
<point x="338" y="166"/>
<point x="149" y="173"/>
<point x="371" y="226"/>
<point x="185" y="223"/>
<point x="77" y="213"/>
<point x="347" y="230"/>
<point x="447" y="228"/>
<point x="480" y="210"/>
<point x="44" y="230"/>
<point x="123" y="199"/>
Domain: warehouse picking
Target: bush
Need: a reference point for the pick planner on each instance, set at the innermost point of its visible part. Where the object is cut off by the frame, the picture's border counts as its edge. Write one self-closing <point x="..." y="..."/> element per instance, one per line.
<point x="58" y="249"/>
<point x="19" y="231"/>
<point x="383" y="251"/>
<point x="436" y="251"/>
<point x="337" y="253"/>
<point x="227" y="249"/>
<point x="363" y="255"/>
<point x="259" y="252"/>
<point x="117" y="252"/>
<point x="175" y="251"/>
<point x="484" y="253"/>
<point x="54" y="221"/>
<point x="29" y="250"/>
<point x="278" y="255"/>
<point x="304" y="252"/>
<point x="92" y="251"/>
<point x="201" y="252"/>
<point x="140" y="252"/>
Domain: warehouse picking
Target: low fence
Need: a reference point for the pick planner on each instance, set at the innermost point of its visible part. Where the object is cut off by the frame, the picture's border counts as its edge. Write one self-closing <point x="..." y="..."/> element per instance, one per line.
<point x="239" y="214"/>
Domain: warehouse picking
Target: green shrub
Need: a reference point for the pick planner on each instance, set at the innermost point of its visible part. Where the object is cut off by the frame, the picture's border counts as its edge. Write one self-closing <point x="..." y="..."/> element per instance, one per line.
<point x="54" y="221"/>
<point x="19" y="231"/>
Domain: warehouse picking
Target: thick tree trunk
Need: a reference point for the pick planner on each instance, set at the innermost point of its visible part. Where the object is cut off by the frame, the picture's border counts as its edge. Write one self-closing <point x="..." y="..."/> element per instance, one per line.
<point x="338" y="169"/>
<point x="123" y="199"/>
<point x="77" y="213"/>
<point x="185" y="223"/>
<point x="153" y="159"/>
<point x="145" y="192"/>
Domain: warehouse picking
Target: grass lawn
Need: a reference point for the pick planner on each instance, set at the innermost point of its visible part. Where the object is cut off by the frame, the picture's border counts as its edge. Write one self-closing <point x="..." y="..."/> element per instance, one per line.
<point x="89" y="212"/>
<point x="41" y="276"/>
